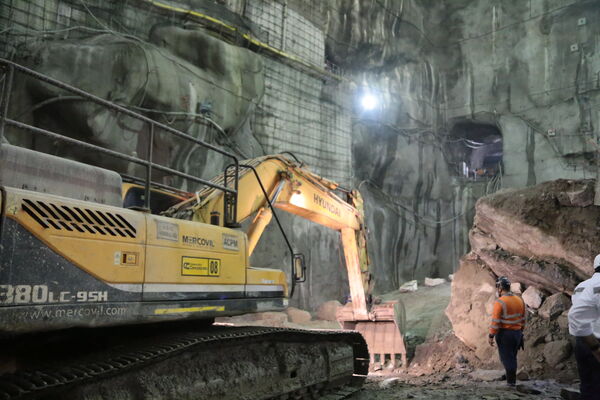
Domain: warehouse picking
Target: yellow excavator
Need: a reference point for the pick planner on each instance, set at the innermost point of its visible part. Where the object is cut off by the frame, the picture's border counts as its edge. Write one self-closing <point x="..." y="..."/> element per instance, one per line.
<point x="80" y="249"/>
<point x="282" y="182"/>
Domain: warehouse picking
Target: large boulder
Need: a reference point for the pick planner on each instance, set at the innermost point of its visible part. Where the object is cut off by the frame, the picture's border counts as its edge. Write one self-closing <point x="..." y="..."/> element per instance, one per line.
<point x="473" y="294"/>
<point x="516" y="287"/>
<point x="536" y="224"/>
<point x="554" y="306"/>
<point x="410" y="286"/>
<point x="271" y="318"/>
<point x="557" y="351"/>
<point x="533" y="297"/>
<point x="434" y="281"/>
<point x="579" y="194"/>
<point x="552" y="276"/>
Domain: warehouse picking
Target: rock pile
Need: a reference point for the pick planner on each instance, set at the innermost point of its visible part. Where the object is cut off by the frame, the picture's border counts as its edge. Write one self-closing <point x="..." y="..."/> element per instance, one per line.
<point x="544" y="239"/>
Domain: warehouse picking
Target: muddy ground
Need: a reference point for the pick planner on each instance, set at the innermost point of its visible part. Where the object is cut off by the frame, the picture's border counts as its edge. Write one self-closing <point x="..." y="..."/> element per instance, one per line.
<point x="455" y="388"/>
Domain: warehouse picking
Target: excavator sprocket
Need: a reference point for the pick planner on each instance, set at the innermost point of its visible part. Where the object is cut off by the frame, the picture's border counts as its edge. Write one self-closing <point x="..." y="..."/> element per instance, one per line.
<point x="189" y="362"/>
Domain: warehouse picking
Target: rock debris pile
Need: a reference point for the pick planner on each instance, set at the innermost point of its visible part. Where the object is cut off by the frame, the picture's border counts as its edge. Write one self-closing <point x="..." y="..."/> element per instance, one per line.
<point x="544" y="239"/>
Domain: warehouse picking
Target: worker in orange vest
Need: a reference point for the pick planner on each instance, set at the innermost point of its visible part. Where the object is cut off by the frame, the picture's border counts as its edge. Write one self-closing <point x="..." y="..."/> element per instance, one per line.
<point x="508" y="322"/>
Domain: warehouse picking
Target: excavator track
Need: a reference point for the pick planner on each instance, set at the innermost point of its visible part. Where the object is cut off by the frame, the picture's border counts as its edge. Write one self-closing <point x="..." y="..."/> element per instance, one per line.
<point x="186" y="362"/>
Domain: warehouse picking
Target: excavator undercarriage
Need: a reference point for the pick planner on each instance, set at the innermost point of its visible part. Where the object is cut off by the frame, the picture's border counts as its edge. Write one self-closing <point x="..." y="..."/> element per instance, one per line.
<point x="184" y="361"/>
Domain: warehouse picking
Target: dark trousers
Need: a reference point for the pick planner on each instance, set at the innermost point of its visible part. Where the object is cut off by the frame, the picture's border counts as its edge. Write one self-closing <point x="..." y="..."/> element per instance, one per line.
<point x="589" y="371"/>
<point x="508" y="345"/>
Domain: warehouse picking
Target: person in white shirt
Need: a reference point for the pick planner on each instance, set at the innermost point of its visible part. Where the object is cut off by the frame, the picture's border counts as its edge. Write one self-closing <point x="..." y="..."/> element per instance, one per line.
<point x="584" y="324"/>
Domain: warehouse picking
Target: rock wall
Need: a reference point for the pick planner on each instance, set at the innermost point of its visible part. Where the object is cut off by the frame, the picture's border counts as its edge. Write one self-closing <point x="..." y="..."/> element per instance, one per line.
<point x="417" y="220"/>
<point x="531" y="69"/>
<point x="527" y="68"/>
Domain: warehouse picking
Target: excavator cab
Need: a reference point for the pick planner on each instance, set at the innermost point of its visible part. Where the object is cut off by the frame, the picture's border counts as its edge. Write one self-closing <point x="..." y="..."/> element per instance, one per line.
<point x="160" y="199"/>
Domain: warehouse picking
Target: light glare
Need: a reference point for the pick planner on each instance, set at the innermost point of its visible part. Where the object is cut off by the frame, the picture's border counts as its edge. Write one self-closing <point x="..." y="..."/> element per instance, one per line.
<point x="368" y="102"/>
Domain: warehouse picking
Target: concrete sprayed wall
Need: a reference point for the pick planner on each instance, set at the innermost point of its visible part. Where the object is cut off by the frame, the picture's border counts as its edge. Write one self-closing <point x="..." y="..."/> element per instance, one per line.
<point x="528" y="68"/>
<point x="417" y="216"/>
<point x="532" y="69"/>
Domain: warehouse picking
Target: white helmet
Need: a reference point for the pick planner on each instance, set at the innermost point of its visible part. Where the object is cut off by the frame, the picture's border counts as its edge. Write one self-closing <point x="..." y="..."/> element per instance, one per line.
<point x="597" y="261"/>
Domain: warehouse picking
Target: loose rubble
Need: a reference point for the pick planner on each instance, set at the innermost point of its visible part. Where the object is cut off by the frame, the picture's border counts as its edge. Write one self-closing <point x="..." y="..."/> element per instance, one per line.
<point x="410" y="286"/>
<point x="434" y="281"/>
<point x="544" y="238"/>
<point x="298" y="316"/>
<point x="533" y="297"/>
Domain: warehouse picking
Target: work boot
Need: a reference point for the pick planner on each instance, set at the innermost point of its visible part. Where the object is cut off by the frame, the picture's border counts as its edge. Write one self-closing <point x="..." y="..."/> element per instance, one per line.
<point x="511" y="378"/>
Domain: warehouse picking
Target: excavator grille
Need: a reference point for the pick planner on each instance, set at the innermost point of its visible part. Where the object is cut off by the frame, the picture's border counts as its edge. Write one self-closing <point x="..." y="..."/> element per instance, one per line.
<point x="61" y="217"/>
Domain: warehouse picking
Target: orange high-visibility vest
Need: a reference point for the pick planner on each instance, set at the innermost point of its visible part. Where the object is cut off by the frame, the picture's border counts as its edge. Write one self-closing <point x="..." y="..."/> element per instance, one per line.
<point x="508" y="313"/>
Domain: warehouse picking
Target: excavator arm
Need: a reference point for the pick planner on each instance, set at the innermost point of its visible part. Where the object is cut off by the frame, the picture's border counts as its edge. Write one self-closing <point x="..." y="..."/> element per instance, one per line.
<point x="277" y="181"/>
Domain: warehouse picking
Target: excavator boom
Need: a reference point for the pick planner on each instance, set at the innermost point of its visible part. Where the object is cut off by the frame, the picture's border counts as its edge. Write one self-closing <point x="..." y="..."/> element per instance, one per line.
<point x="278" y="181"/>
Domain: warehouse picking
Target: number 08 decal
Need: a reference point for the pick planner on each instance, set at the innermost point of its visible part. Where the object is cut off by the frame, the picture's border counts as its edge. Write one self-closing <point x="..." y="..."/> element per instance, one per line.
<point x="200" y="266"/>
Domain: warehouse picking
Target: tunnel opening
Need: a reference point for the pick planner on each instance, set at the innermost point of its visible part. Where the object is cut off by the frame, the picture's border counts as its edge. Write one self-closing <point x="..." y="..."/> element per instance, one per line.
<point x="475" y="150"/>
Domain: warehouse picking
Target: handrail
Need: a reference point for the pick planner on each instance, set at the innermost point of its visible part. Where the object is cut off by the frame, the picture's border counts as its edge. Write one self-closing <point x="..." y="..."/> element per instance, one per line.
<point x="148" y="163"/>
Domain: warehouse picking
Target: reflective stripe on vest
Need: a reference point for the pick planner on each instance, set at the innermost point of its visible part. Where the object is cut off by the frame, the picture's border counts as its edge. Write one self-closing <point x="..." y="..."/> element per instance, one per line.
<point x="508" y="319"/>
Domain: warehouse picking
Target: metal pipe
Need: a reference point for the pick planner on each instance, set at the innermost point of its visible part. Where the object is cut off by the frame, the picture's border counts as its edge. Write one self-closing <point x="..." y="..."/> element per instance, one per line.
<point x="236" y="183"/>
<point x="135" y="179"/>
<point x="5" y="100"/>
<point x="2" y="209"/>
<point x="149" y="168"/>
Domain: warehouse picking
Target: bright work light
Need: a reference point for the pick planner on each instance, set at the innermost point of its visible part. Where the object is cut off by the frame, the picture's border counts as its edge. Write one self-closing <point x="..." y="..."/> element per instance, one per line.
<point x="368" y="102"/>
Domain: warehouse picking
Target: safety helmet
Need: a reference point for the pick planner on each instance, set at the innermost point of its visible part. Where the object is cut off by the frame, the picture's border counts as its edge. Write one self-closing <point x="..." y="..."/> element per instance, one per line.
<point x="597" y="262"/>
<point x="503" y="283"/>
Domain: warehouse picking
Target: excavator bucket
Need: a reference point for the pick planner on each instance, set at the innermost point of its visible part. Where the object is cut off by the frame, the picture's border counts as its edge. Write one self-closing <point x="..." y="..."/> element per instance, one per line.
<point x="382" y="331"/>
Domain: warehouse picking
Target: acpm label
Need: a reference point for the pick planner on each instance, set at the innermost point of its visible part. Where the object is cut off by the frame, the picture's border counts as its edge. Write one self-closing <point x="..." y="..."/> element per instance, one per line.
<point x="230" y="242"/>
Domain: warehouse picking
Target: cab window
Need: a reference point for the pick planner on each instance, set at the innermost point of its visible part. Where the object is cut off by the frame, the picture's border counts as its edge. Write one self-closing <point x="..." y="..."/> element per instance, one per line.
<point x="159" y="201"/>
